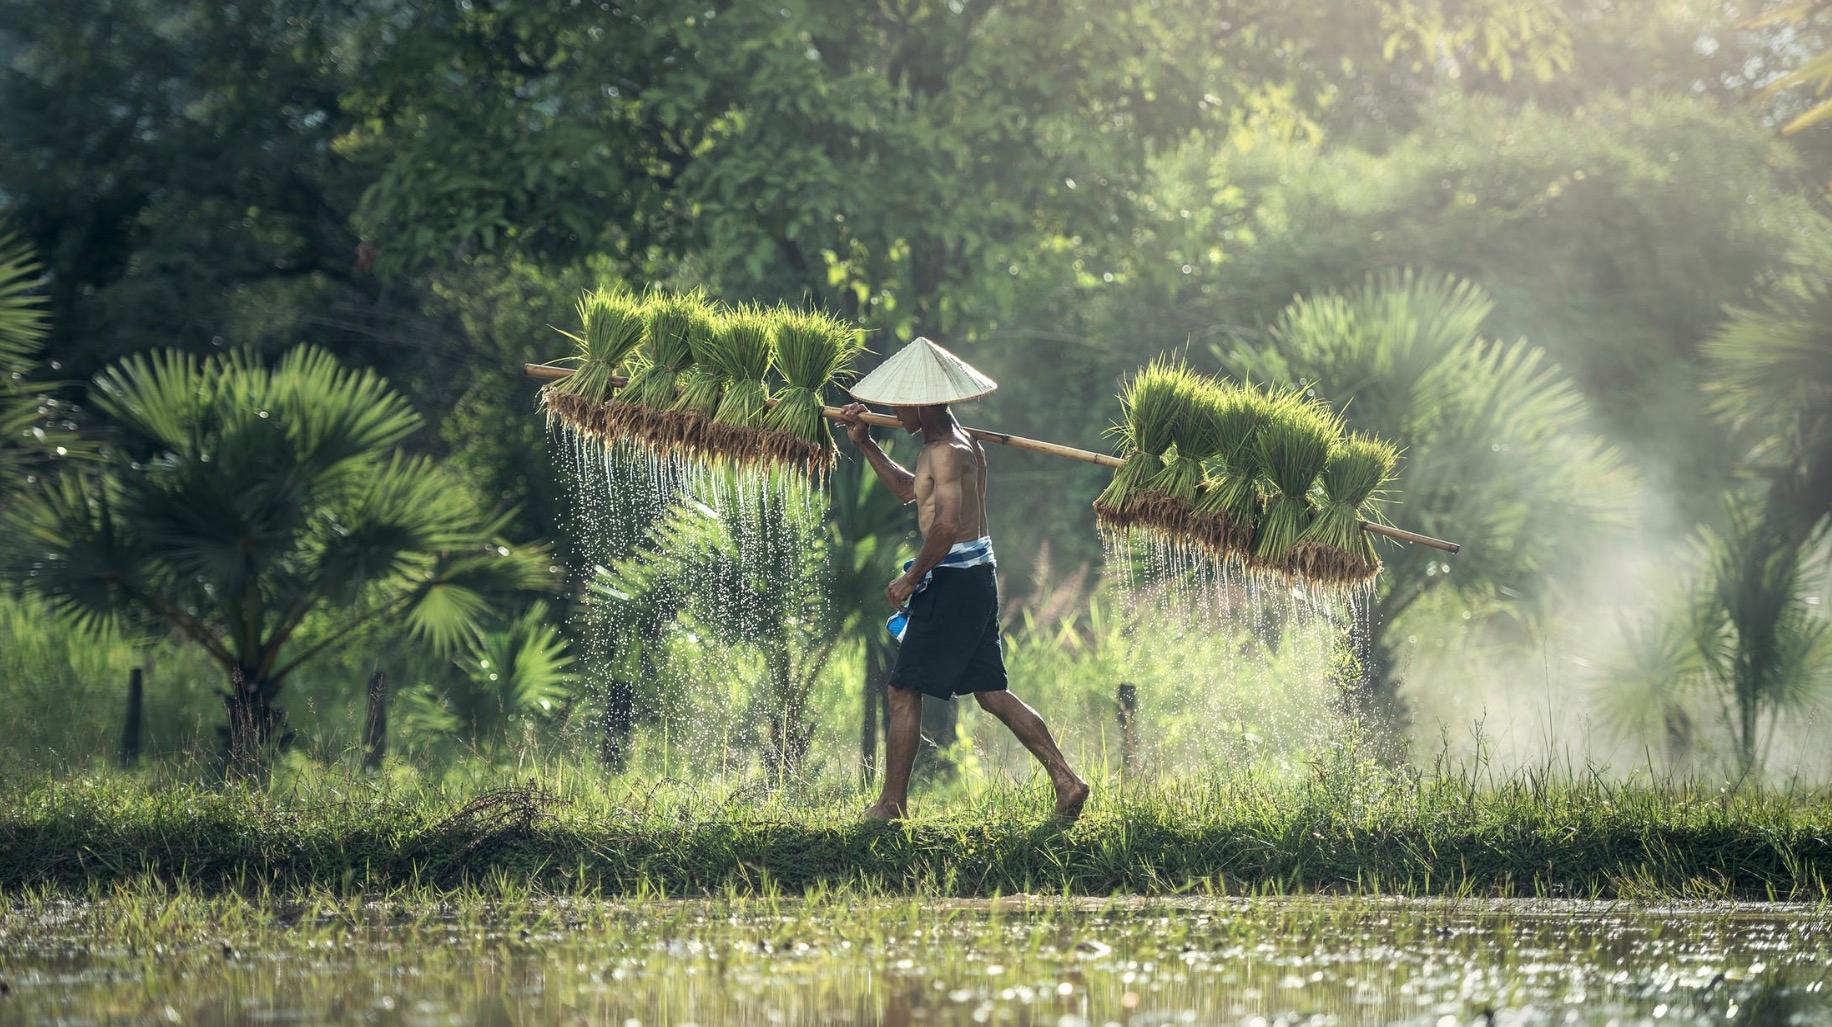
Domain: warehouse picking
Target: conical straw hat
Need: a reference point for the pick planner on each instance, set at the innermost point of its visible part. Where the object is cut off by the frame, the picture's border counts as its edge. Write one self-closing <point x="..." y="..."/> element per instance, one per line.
<point x="919" y="375"/>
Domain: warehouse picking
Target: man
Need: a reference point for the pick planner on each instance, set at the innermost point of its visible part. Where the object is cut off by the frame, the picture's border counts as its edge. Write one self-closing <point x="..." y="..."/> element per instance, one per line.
<point x="947" y="598"/>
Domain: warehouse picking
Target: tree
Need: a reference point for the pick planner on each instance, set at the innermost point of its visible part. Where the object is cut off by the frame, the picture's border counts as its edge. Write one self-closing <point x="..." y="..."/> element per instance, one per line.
<point x="1770" y="369"/>
<point x="510" y="677"/>
<point x="31" y="436"/>
<point x="264" y="515"/>
<point x="868" y="524"/>
<point x="173" y="165"/>
<point x="1767" y="649"/>
<point x="1495" y="445"/>
<point x="744" y="588"/>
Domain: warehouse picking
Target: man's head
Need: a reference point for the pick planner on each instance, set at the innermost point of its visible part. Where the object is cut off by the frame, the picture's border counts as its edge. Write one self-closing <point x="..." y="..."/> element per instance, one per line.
<point x="913" y="418"/>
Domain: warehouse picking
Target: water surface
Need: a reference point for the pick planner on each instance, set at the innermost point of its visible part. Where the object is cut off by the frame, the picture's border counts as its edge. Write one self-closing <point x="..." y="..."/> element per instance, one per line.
<point x="1037" y="961"/>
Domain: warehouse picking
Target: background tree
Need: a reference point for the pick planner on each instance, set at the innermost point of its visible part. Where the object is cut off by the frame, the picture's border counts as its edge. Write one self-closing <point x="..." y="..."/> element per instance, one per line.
<point x="749" y="600"/>
<point x="33" y="432"/>
<point x="869" y="528"/>
<point x="1768" y="650"/>
<point x="1494" y="443"/>
<point x="265" y="515"/>
<point x="512" y="677"/>
<point x="1770" y="365"/>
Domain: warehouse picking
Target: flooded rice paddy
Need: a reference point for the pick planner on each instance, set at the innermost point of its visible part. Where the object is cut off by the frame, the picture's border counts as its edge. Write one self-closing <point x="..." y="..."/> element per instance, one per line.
<point x="1054" y="962"/>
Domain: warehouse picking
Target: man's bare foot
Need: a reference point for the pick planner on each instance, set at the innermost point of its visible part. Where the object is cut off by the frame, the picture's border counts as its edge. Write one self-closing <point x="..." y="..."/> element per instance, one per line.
<point x="1071" y="796"/>
<point x="885" y="812"/>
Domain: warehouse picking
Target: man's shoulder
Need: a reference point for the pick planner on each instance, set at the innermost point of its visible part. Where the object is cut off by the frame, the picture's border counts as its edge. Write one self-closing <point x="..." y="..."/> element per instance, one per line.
<point x="948" y="451"/>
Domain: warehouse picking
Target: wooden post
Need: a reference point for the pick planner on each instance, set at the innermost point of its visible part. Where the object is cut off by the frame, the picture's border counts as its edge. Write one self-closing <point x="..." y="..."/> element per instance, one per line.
<point x="375" y="724"/>
<point x="868" y="732"/>
<point x="133" y="726"/>
<point x="618" y="722"/>
<point x="1127" y="700"/>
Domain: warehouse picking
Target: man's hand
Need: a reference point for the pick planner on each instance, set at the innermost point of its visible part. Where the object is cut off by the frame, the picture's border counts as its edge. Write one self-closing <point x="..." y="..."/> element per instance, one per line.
<point x="856" y="430"/>
<point x="899" y="591"/>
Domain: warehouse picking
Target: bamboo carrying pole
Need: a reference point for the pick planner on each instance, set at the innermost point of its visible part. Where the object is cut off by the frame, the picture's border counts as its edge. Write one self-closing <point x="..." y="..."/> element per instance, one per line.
<point x="547" y="372"/>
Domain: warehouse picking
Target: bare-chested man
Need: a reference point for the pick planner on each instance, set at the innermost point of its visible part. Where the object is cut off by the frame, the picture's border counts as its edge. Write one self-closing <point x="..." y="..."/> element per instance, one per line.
<point x="947" y="597"/>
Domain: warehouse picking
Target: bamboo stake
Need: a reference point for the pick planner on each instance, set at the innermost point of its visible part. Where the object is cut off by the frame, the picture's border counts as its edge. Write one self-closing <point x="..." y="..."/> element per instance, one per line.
<point x="547" y="372"/>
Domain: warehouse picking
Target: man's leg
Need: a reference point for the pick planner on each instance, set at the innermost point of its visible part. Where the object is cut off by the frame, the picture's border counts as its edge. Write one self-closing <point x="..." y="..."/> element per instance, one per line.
<point x="1071" y="791"/>
<point x="899" y="752"/>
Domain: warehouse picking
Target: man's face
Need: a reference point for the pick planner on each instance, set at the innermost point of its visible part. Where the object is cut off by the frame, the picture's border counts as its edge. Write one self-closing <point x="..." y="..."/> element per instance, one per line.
<point x="907" y="415"/>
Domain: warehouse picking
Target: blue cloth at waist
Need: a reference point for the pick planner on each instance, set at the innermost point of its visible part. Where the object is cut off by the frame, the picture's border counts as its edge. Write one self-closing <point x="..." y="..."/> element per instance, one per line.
<point x="962" y="554"/>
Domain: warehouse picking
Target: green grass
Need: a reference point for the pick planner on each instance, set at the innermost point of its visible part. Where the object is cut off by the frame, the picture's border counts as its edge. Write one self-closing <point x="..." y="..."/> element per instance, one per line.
<point x="1348" y="828"/>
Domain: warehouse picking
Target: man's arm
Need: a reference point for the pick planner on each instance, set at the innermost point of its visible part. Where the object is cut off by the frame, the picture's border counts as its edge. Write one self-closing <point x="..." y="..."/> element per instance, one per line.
<point x="946" y="464"/>
<point x="893" y="474"/>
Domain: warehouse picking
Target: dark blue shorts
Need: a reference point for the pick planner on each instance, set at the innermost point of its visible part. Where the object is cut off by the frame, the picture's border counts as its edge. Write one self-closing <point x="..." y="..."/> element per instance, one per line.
<point x="952" y="646"/>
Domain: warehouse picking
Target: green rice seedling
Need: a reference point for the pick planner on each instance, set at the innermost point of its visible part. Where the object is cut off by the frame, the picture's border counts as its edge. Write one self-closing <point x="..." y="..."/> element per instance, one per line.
<point x="1227" y="510"/>
<point x="700" y="388"/>
<point x="741" y="350"/>
<point x="1149" y="403"/>
<point x="670" y="321"/>
<point x="1167" y="499"/>
<point x="1334" y="548"/>
<point x="611" y="329"/>
<point x="1294" y="447"/>
<point x="813" y="349"/>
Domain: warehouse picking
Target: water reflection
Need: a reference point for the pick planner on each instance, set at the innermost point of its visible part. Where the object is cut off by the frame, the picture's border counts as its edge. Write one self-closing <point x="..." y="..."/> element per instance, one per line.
<point x="1318" y="961"/>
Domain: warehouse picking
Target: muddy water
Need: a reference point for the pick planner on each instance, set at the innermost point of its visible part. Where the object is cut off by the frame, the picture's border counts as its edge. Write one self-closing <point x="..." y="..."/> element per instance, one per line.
<point x="1324" y="961"/>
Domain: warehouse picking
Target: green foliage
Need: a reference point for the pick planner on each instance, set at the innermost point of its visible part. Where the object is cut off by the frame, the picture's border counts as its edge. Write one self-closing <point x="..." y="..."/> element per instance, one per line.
<point x="512" y="678"/>
<point x="1493" y="436"/>
<point x="240" y="500"/>
<point x="29" y="440"/>
<point x="1649" y="691"/>
<point x="1771" y="377"/>
<point x="1446" y="832"/>
<point x="690" y="600"/>
<point x="1763" y="642"/>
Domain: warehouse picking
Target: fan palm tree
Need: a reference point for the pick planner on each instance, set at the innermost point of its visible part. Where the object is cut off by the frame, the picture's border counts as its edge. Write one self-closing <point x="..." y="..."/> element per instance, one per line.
<point x="1767" y="650"/>
<point x="1495" y="448"/>
<point x="27" y="442"/>
<point x="868" y="525"/>
<point x="689" y="570"/>
<point x="1771" y="378"/>
<point x="265" y="515"/>
<point x="508" y="676"/>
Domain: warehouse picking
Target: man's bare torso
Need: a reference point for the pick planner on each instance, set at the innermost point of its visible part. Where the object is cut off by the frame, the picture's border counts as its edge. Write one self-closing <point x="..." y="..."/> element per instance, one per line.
<point x="931" y="470"/>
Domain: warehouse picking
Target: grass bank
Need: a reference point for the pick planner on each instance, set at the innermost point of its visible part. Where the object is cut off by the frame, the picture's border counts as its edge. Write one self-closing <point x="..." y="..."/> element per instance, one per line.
<point x="1441" y="834"/>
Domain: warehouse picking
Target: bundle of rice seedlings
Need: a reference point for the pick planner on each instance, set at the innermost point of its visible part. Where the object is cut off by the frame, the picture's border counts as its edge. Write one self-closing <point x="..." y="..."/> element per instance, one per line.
<point x="1334" y="549"/>
<point x="741" y="351"/>
<point x="1293" y="447"/>
<point x="669" y="323"/>
<point x="611" y="328"/>
<point x="700" y="388"/>
<point x="812" y="350"/>
<point x="1166" y="501"/>
<point x="1226" y="511"/>
<point x="1150" y="402"/>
